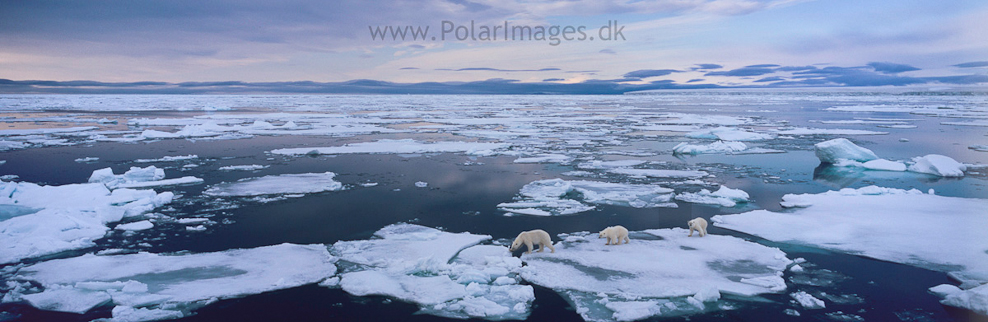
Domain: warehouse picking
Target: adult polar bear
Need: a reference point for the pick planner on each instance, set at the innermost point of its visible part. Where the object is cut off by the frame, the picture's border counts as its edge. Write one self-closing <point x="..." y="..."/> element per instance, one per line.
<point x="614" y="235"/>
<point x="531" y="238"/>
<point x="699" y="224"/>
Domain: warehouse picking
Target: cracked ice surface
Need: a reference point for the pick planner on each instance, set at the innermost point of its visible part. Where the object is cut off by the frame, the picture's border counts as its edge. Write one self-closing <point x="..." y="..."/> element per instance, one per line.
<point x="562" y="197"/>
<point x="444" y="273"/>
<point x="276" y="184"/>
<point x="172" y="283"/>
<point x="673" y="275"/>
<point x="883" y="223"/>
<point x="42" y="225"/>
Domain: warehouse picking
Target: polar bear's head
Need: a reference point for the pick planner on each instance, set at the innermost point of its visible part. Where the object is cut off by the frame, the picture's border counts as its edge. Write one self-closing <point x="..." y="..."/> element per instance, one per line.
<point x="602" y="234"/>
<point x="691" y="223"/>
<point x="516" y="244"/>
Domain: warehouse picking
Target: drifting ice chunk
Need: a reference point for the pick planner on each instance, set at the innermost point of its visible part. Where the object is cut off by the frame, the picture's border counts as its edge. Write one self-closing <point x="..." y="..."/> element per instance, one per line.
<point x="406" y="146"/>
<point x="176" y="282"/>
<point x="810" y="131"/>
<point x="728" y="134"/>
<point x="660" y="173"/>
<point x="724" y="197"/>
<point x="808" y="301"/>
<point x="129" y="313"/>
<point x="884" y="165"/>
<point x="546" y="158"/>
<point x="716" y="147"/>
<point x="550" y="197"/>
<point x="249" y="167"/>
<point x="938" y="165"/>
<point x="135" y="226"/>
<point x="669" y="270"/>
<point x="842" y="149"/>
<point x="601" y="165"/>
<point x="135" y="174"/>
<point x="276" y="184"/>
<point x="975" y="299"/>
<point x="881" y="223"/>
<point x="421" y="184"/>
<point x="72" y="221"/>
<point x="438" y="271"/>
<point x="188" y="180"/>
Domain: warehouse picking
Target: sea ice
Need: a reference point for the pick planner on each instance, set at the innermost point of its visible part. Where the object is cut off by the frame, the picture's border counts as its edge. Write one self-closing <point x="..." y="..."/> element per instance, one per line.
<point x="724" y="197"/>
<point x="660" y="173"/>
<point x="975" y="299"/>
<point x="134" y="226"/>
<point x="883" y="223"/>
<point x="47" y="226"/>
<point x="808" y="301"/>
<point x="276" y="184"/>
<point x="659" y="277"/>
<point x="248" y="167"/>
<point x="728" y="134"/>
<point x="173" y="282"/>
<point x="716" y="147"/>
<point x="169" y="158"/>
<point x="446" y="274"/>
<point x="405" y="146"/>
<point x="938" y="165"/>
<point x="810" y="131"/>
<point x="842" y="149"/>
<point x="546" y="158"/>
<point x="421" y="184"/>
<point x="980" y="148"/>
<point x="562" y="197"/>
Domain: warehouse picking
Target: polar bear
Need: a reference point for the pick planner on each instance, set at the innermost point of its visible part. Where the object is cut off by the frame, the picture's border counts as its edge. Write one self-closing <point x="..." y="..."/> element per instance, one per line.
<point x="698" y="224"/>
<point x="531" y="238"/>
<point x="614" y="235"/>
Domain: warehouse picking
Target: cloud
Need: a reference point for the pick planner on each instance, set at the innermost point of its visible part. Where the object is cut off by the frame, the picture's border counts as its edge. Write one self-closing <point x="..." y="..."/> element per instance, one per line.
<point x="646" y="73"/>
<point x="505" y="70"/>
<point x="762" y="66"/>
<point x="607" y="51"/>
<point x="972" y="64"/>
<point x="707" y="66"/>
<point x="891" y="68"/>
<point x="770" y="79"/>
<point x="744" y="71"/>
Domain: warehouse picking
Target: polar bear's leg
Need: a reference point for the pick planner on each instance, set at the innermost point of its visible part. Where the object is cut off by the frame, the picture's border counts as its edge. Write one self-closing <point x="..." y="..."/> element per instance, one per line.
<point x="691" y="231"/>
<point x="541" y="246"/>
<point x="530" y="246"/>
<point x="626" y="240"/>
<point x="549" y="243"/>
<point x="703" y="231"/>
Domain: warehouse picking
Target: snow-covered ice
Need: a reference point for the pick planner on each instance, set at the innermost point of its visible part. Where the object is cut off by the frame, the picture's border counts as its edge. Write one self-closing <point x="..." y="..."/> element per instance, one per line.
<point x="716" y="147"/>
<point x="938" y="165"/>
<point x="649" y="277"/>
<point x="178" y="283"/>
<point x="247" y="167"/>
<point x="724" y="197"/>
<point x="77" y="217"/>
<point x="403" y="146"/>
<point x="975" y="299"/>
<point x="276" y="184"/>
<point x="728" y="134"/>
<point x="833" y="151"/>
<point x="660" y="173"/>
<point x="562" y="197"/>
<point x="902" y="226"/>
<point x="808" y="301"/>
<point x="446" y="274"/>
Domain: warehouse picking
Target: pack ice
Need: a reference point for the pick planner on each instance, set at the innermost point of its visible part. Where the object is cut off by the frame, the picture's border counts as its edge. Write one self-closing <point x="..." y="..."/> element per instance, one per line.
<point x="903" y="226"/>
<point x="276" y="184"/>
<point x="403" y="146"/>
<point x="843" y="153"/>
<point x="445" y="274"/>
<point x="146" y="286"/>
<point x="33" y="223"/>
<point x="666" y="274"/>
<point x="138" y="177"/>
<point x="561" y="197"/>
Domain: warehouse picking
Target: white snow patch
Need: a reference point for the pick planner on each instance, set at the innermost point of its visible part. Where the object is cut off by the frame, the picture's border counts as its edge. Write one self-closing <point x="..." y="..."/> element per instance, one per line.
<point x="724" y="197"/>
<point x="716" y="147"/>
<point x="276" y="184"/>
<point x="661" y="276"/>
<point x="882" y="223"/>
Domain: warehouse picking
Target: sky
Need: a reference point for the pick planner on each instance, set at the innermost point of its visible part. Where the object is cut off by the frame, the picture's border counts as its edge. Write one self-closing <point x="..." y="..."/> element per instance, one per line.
<point x="598" y="47"/>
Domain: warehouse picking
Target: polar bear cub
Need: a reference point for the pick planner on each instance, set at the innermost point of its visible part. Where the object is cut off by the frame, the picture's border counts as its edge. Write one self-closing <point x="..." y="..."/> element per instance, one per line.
<point x="531" y="238"/>
<point x="614" y="235"/>
<point x="698" y="224"/>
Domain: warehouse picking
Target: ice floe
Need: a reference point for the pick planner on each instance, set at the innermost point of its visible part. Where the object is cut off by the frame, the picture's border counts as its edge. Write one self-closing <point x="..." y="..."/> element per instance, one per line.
<point x="728" y="134"/>
<point x="138" y="177"/>
<point x="561" y="197"/>
<point x="716" y="147"/>
<point x="403" y="146"/>
<point x="248" y="167"/>
<point x="724" y="197"/>
<point x="42" y="225"/>
<point x="660" y="173"/>
<point x="169" y="158"/>
<point x="446" y="274"/>
<point x="145" y="285"/>
<point x="812" y="131"/>
<point x="665" y="275"/>
<point x="882" y="223"/>
<point x="302" y="183"/>
<point x="974" y="299"/>
<point x="842" y="153"/>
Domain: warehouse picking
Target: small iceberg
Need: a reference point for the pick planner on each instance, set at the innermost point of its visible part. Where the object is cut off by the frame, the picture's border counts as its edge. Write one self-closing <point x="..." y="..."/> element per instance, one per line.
<point x="302" y="183"/>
